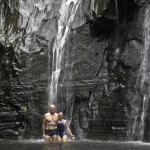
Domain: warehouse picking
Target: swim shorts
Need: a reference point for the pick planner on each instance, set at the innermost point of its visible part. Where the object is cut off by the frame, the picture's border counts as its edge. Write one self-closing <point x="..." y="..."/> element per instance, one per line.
<point x="51" y="132"/>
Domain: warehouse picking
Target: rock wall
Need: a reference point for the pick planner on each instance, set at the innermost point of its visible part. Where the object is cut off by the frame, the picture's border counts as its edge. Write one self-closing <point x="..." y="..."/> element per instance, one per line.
<point x="99" y="70"/>
<point x="27" y="28"/>
<point x="123" y="30"/>
<point x="27" y="32"/>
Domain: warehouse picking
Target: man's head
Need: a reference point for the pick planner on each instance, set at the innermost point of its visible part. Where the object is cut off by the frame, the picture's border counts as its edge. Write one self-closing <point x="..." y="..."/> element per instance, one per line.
<point x="52" y="109"/>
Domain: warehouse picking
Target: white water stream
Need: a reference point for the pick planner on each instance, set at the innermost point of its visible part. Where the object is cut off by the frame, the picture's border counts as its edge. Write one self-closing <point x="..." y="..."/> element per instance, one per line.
<point x="67" y="15"/>
<point x="71" y="16"/>
<point x="141" y="99"/>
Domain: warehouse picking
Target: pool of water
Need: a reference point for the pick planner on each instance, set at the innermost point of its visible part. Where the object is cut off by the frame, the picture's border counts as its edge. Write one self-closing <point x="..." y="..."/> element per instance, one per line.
<point x="72" y="145"/>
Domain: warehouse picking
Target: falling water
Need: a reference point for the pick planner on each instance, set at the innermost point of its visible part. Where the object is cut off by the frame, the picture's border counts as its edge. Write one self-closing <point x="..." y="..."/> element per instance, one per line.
<point x="71" y="16"/>
<point x="141" y="99"/>
<point x="97" y="6"/>
<point x="67" y="15"/>
<point x="94" y="6"/>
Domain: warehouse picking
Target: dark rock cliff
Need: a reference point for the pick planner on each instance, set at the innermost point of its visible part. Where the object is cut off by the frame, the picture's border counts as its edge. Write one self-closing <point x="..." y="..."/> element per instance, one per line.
<point x="122" y="28"/>
<point x="99" y="70"/>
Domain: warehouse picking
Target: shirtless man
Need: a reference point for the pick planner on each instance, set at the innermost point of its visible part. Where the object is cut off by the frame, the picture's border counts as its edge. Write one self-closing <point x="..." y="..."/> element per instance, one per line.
<point x="49" y="126"/>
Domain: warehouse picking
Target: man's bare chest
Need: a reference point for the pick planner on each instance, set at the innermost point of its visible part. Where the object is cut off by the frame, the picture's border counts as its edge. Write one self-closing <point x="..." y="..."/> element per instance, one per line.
<point x="51" y="118"/>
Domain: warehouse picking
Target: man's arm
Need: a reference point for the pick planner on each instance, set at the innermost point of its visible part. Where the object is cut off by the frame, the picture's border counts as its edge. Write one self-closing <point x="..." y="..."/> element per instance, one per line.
<point x="43" y="126"/>
<point x="56" y="117"/>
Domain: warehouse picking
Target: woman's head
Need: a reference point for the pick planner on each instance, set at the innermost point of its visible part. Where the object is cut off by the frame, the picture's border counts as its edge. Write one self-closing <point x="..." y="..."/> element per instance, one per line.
<point x="60" y="115"/>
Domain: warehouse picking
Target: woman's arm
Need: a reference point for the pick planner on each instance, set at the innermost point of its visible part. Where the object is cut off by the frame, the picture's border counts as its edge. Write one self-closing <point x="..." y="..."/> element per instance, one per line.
<point x="69" y="131"/>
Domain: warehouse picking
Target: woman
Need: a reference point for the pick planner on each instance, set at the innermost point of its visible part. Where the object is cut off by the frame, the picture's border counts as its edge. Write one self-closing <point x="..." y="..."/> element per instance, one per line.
<point x="63" y="127"/>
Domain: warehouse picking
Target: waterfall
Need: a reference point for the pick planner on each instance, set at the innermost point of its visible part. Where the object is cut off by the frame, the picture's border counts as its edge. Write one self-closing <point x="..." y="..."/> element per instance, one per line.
<point x="67" y="15"/>
<point x="97" y="6"/>
<point x="141" y="98"/>
<point x="71" y="16"/>
<point x="94" y="6"/>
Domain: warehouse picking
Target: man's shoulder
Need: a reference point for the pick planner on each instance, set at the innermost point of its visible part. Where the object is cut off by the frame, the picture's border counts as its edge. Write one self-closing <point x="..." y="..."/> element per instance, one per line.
<point x="56" y="114"/>
<point x="47" y="114"/>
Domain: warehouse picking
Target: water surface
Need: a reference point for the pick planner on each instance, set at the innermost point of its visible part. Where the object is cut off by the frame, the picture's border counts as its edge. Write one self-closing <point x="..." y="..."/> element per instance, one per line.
<point x="72" y="145"/>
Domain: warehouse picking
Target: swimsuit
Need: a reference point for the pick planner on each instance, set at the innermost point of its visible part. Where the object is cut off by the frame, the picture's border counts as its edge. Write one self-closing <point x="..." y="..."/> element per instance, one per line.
<point x="51" y="132"/>
<point x="61" y="129"/>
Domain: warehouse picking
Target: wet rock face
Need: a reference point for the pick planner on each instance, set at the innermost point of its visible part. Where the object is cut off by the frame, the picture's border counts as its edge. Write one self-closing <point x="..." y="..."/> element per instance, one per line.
<point x="26" y="29"/>
<point x="99" y="69"/>
<point x="27" y="33"/>
<point x="124" y="56"/>
<point x="17" y="92"/>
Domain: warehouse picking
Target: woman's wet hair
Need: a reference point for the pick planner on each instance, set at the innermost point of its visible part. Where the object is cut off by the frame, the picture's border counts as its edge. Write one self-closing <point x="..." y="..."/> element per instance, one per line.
<point x="60" y="113"/>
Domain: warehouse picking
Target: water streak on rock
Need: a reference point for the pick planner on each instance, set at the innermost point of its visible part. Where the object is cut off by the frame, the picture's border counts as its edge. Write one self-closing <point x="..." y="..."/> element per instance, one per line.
<point x="67" y="15"/>
<point x="141" y="99"/>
